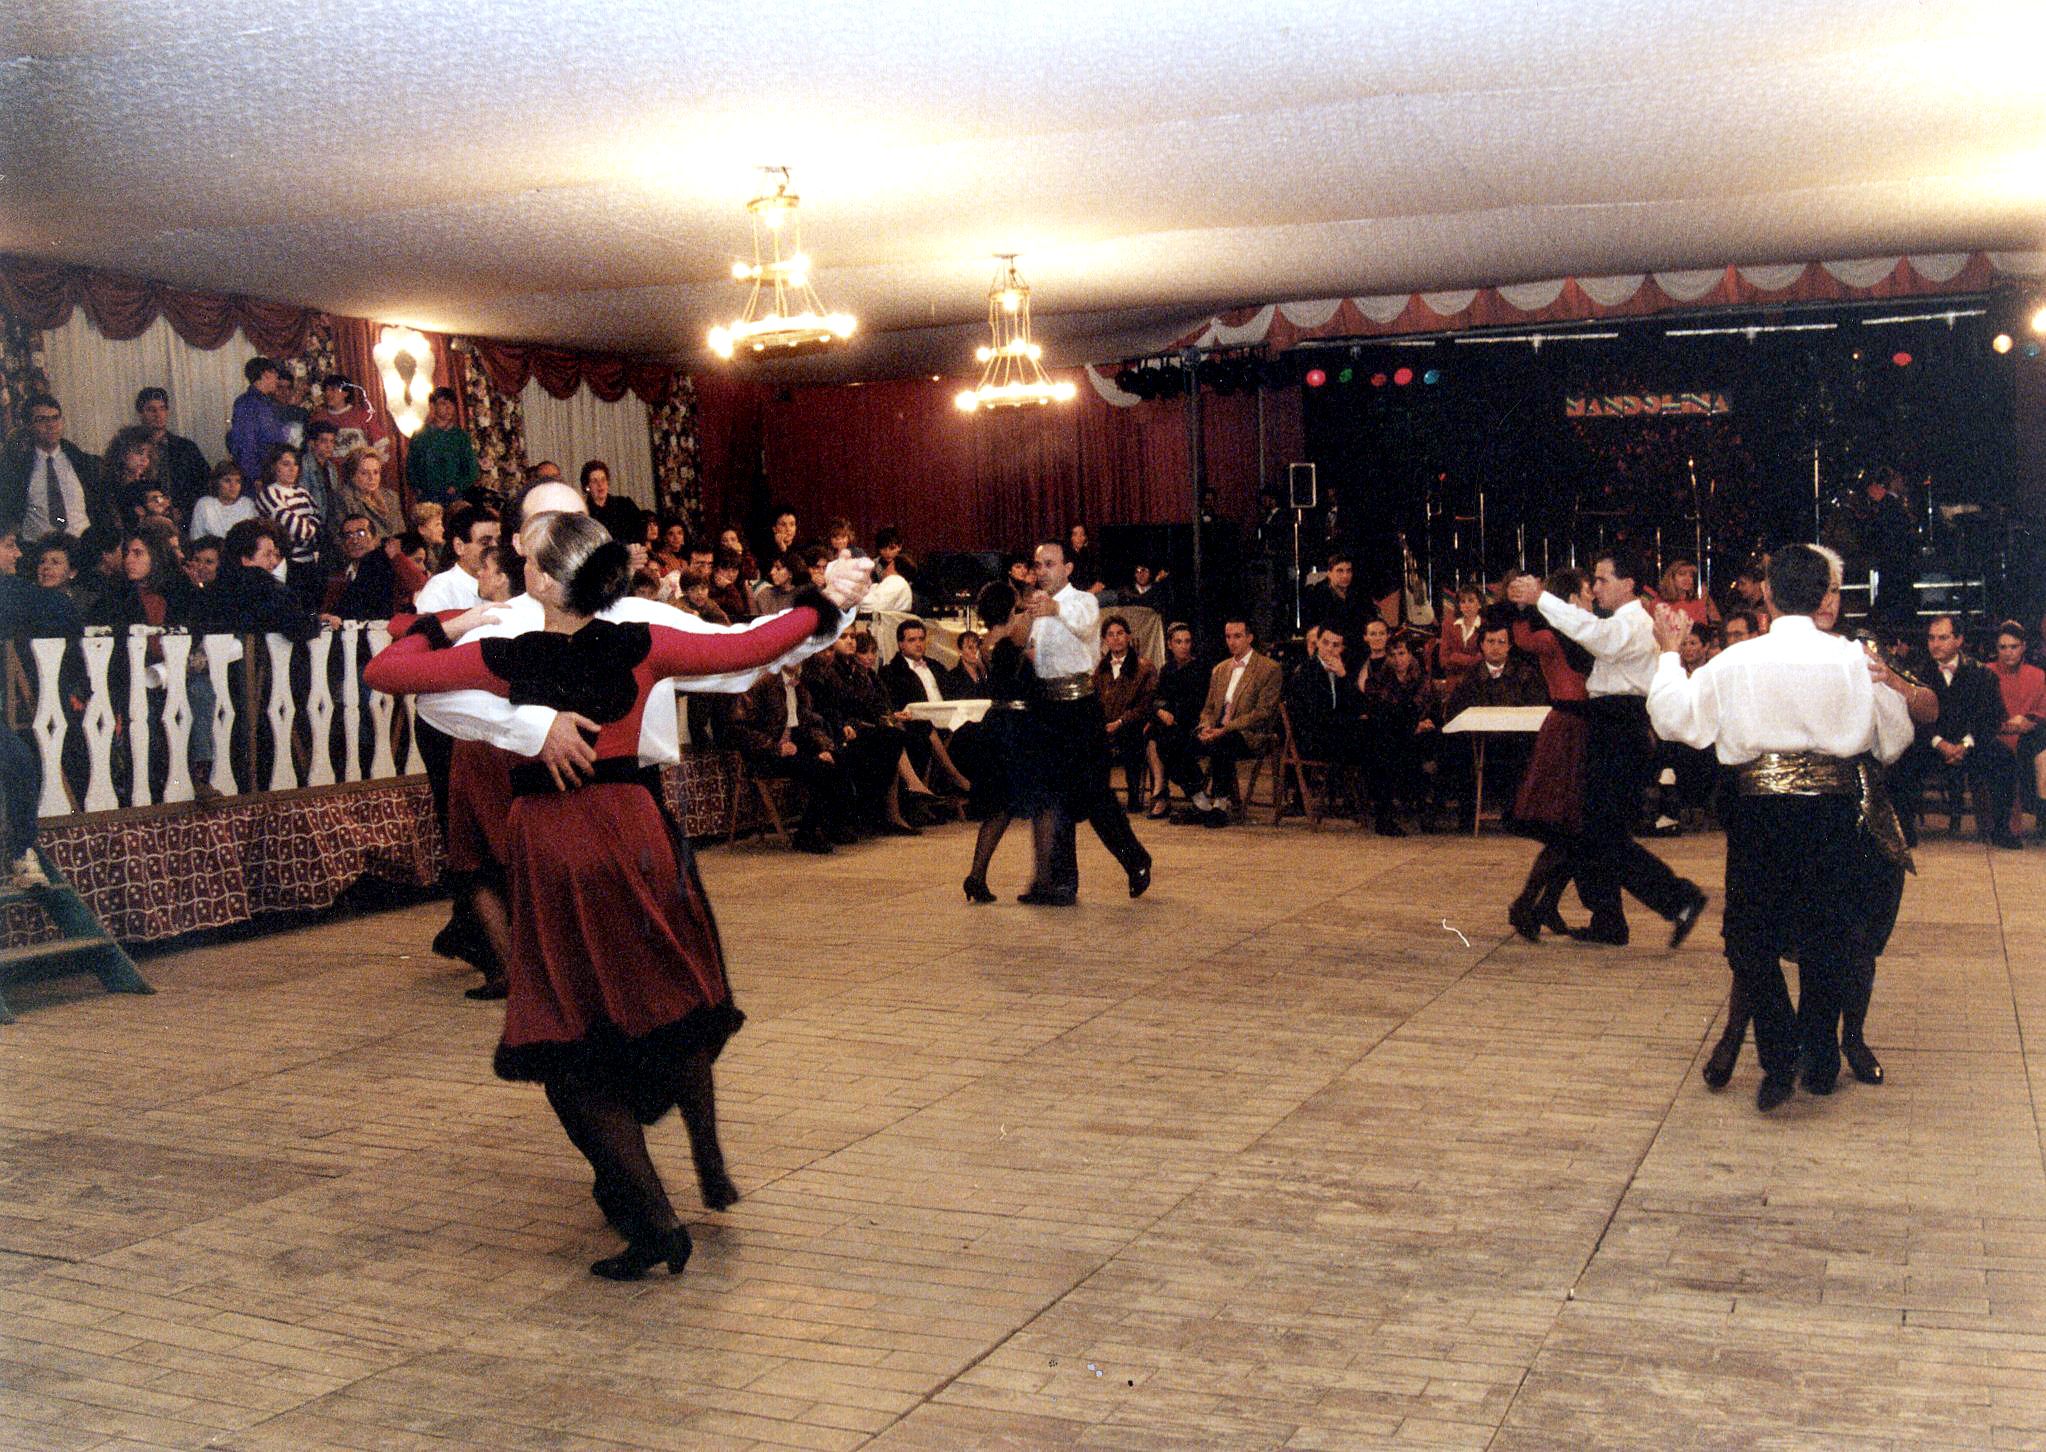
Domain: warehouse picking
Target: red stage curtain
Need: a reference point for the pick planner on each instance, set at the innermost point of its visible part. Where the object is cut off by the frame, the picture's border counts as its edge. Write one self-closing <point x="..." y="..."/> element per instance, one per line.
<point x="43" y="294"/>
<point x="561" y="371"/>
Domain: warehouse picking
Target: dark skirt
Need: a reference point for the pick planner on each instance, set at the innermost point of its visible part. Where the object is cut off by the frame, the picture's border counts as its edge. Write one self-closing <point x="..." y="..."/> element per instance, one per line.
<point x="1551" y="797"/>
<point x="479" y="809"/>
<point x="1007" y="769"/>
<point x="617" y="968"/>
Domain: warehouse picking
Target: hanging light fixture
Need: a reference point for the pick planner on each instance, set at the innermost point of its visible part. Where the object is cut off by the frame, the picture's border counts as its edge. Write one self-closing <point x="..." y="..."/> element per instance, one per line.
<point x="780" y="274"/>
<point x="406" y="360"/>
<point x="1012" y="368"/>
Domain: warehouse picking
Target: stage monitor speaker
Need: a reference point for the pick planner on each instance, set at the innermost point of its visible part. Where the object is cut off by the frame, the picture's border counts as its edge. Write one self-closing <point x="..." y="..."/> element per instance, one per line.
<point x="1300" y="483"/>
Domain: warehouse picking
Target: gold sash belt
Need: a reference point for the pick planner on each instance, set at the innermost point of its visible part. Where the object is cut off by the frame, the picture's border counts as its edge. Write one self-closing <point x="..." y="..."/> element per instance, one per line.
<point x="1076" y="687"/>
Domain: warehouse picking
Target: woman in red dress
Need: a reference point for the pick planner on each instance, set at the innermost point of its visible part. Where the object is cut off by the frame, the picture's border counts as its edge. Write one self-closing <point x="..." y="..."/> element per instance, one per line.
<point x="1551" y="800"/>
<point x="618" y="1000"/>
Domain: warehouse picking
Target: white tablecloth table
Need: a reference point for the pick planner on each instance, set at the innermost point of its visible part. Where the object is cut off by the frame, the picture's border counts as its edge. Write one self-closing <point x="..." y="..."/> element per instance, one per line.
<point x="1484" y="721"/>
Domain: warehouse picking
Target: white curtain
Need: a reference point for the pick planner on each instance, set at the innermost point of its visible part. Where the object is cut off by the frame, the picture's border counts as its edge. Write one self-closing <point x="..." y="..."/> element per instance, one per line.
<point x="97" y="379"/>
<point x="572" y="431"/>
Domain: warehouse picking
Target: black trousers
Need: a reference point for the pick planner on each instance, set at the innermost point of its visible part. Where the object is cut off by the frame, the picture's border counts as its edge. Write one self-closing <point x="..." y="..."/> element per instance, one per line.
<point x="1988" y="769"/>
<point x="1795" y="889"/>
<point x="827" y="789"/>
<point x="1075" y="736"/>
<point x="870" y="761"/>
<point x="1620" y="762"/>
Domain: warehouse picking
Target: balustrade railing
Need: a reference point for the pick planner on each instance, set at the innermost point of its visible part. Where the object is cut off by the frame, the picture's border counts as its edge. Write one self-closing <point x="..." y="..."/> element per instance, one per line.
<point x="164" y="716"/>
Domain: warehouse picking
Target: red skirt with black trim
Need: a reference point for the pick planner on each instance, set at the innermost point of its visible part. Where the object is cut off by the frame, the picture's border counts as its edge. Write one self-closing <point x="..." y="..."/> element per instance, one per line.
<point x="616" y="966"/>
<point x="1551" y="798"/>
<point x="479" y="809"/>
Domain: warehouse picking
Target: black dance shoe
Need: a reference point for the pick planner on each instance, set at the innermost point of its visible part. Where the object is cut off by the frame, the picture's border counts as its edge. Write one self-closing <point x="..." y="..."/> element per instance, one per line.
<point x="1553" y="921"/>
<point x="1521" y="914"/>
<point x="672" y="1246"/>
<point x="1612" y="934"/>
<point x="1718" y="1070"/>
<point x="1041" y="897"/>
<point x="714" y="1185"/>
<point x="488" y="989"/>
<point x="1860" y="1062"/>
<point x="1775" y="1089"/>
<point x="1687" y="918"/>
<point x="1140" y="880"/>
<point x="977" y="890"/>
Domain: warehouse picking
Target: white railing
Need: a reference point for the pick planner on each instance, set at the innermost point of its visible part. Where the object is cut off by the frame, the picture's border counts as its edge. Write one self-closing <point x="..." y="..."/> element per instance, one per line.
<point x="213" y="715"/>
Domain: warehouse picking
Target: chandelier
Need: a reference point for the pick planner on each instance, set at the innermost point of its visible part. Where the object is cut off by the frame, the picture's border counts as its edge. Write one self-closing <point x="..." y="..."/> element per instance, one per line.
<point x="1012" y="371"/>
<point x="780" y="274"/>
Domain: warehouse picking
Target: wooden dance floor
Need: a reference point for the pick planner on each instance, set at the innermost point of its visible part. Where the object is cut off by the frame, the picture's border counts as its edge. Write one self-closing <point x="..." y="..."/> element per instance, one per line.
<point x="1273" y="1158"/>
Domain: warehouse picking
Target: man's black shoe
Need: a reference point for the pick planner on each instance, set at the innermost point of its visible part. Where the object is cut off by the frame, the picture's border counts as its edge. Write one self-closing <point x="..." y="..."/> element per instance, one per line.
<point x="1819" y="1083"/>
<point x="1861" y="1063"/>
<point x="1687" y="918"/>
<point x="1718" y="1070"/>
<point x="1775" y="1089"/>
<point x="1611" y="934"/>
<point x="1038" y="897"/>
<point x="1524" y="920"/>
<point x="1140" y="880"/>
<point x="493" y="988"/>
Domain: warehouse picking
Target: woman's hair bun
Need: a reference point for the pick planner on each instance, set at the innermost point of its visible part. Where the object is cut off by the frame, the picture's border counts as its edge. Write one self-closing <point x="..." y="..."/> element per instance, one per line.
<point x="600" y="581"/>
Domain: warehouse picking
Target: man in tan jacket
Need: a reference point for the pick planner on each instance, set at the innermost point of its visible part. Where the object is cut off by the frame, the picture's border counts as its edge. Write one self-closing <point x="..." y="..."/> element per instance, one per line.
<point x="1240" y="720"/>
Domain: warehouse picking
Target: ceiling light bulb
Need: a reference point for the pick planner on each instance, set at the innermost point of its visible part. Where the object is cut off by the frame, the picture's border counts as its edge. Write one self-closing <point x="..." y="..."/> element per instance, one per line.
<point x="2001" y="343"/>
<point x="966" y="401"/>
<point x="1011" y="299"/>
<point x="2039" y="321"/>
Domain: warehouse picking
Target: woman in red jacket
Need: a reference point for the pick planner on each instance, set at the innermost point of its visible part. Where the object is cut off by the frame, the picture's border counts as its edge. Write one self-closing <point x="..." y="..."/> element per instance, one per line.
<point x="1462" y="634"/>
<point x="618" y="1001"/>
<point x="1550" y="805"/>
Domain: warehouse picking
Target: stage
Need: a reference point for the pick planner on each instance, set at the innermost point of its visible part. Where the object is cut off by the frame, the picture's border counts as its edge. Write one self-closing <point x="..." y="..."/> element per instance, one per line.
<point x="1304" y="1149"/>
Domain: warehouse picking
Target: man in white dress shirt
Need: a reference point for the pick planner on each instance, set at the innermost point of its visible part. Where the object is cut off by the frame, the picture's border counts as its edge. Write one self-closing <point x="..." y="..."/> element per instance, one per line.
<point x="472" y="529"/>
<point x="1063" y="628"/>
<point x="1619" y="754"/>
<point x="1790" y="712"/>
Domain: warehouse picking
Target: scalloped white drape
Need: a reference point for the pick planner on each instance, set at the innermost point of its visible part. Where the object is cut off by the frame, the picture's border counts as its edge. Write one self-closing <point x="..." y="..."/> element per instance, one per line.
<point x="574" y="430"/>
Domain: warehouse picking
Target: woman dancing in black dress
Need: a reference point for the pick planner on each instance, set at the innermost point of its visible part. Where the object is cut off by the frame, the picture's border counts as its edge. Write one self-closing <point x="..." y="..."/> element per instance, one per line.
<point x="1008" y="770"/>
<point x="618" y="999"/>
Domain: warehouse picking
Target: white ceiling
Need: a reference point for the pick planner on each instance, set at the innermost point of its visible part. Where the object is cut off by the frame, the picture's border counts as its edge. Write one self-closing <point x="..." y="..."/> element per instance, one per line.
<point x="570" y="171"/>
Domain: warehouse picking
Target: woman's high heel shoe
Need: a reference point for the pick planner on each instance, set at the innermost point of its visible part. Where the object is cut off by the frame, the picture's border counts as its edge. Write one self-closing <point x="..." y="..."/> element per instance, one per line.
<point x="977" y="890"/>
<point x="672" y="1246"/>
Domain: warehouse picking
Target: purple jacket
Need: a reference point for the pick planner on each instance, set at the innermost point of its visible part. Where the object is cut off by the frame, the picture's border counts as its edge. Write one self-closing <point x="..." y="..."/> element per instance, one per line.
<point x="259" y="423"/>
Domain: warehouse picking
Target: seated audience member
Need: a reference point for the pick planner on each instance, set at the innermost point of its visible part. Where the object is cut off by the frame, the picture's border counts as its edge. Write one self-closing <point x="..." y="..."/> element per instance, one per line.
<point x="674" y="538"/>
<point x="620" y="516"/>
<point x="356" y="426"/>
<point x="157" y="508"/>
<point x="1175" y="712"/>
<point x="1745" y="625"/>
<point x="727" y="592"/>
<point x="48" y="485"/>
<point x="55" y="572"/>
<point x="776" y="730"/>
<point x="202" y="564"/>
<point x="1963" y="740"/>
<point x="2024" y="718"/>
<point x="871" y="738"/>
<point x="1744" y="596"/>
<point x="908" y="678"/>
<point x="225" y="504"/>
<point x="1397" y="715"/>
<point x="1239" y="720"/>
<point x="1460" y="649"/>
<point x="321" y="475"/>
<point x="1128" y="687"/>
<point x="968" y="681"/>
<point x="152" y="590"/>
<point x="179" y="463"/>
<point x="248" y="598"/>
<point x="364" y="491"/>
<point x="33" y="600"/>
<point x="1324" y="705"/>
<point x="129" y="467"/>
<point x="1148" y="588"/>
<point x="431" y="523"/>
<point x="892" y="592"/>
<point x="440" y="462"/>
<point x="1336" y="600"/>
<point x="370" y="580"/>
<point x="1679" y="587"/>
<point x="283" y="503"/>
<point x="259" y="423"/>
<point x="647" y="583"/>
<point x="472" y="530"/>
<point x="782" y="530"/>
<point x="729" y="538"/>
<point x="838" y="540"/>
<point x="777" y="592"/>
<point x="1370" y="660"/>
<point x="1500" y="678"/>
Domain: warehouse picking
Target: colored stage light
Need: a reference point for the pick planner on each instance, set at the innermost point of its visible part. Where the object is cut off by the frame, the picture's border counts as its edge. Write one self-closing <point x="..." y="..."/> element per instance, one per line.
<point x="1403" y="376"/>
<point x="1315" y="378"/>
<point x="1901" y="358"/>
<point x="1346" y="375"/>
<point x="1378" y="380"/>
<point x="1433" y="375"/>
<point x="2031" y="350"/>
<point x="2001" y="342"/>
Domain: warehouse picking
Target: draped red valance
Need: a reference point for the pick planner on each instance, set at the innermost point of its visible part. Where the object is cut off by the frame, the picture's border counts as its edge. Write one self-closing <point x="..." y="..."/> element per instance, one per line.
<point x="561" y="371"/>
<point x="43" y="294"/>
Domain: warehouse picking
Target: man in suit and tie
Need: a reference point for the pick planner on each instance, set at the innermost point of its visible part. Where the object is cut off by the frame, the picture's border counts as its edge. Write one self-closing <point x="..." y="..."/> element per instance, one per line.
<point x="49" y="485"/>
<point x="1239" y="720"/>
<point x="1962" y="740"/>
<point x="910" y="678"/>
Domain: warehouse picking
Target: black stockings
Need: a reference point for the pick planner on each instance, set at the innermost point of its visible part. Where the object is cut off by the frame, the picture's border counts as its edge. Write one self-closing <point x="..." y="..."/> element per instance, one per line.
<point x="984" y="845"/>
<point x="600" y="1122"/>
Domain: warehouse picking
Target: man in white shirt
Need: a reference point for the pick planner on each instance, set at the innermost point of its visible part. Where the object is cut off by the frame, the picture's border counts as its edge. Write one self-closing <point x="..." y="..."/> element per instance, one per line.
<point x="1791" y="712"/>
<point x="1619" y="754"/>
<point x="471" y="531"/>
<point x="891" y="591"/>
<point x="1062" y="627"/>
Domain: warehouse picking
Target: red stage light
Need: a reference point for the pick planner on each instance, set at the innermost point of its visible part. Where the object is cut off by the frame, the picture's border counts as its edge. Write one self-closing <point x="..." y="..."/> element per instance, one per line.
<point x="1901" y="358"/>
<point x="1315" y="378"/>
<point x="1378" y="380"/>
<point x="1403" y="377"/>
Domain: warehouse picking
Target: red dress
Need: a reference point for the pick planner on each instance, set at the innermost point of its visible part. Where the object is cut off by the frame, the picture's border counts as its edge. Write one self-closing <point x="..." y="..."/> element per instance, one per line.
<point x="616" y="963"/>
<point x="1551" y="798"/>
